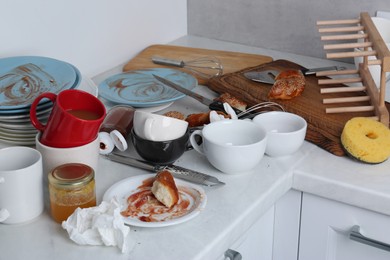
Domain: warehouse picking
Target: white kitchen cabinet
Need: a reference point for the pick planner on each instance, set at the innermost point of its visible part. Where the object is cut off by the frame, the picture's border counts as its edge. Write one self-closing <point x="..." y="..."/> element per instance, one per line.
<point x="326" y="226"/>
<point x="275" y="235"/>
<point x="256" y="243"/>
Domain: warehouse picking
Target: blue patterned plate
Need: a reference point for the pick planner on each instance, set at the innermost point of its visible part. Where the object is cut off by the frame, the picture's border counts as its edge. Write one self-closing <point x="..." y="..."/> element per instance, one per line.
<point x="23" y="78"/>
<point x="139" y="88"/>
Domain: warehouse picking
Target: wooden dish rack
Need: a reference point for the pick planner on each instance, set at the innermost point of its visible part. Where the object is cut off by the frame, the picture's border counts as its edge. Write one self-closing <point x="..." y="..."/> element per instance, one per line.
<point x="352" y="35"/>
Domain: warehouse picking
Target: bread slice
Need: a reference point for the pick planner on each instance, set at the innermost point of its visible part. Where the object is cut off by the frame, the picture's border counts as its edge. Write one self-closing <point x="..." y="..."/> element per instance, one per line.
<point x="164" y="189"/>
<point x="232" y="101"/>
<point x="288" y="84"/>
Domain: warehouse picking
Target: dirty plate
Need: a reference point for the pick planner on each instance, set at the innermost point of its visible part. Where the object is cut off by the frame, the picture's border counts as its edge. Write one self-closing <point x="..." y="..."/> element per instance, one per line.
<point x="23" y="78"/>
<point x="138" y="88"/>
<point x="146" y="211"/>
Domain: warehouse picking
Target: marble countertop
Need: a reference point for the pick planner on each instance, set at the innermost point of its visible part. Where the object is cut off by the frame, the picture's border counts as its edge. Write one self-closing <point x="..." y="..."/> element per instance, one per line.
<point x="231" y="209"/>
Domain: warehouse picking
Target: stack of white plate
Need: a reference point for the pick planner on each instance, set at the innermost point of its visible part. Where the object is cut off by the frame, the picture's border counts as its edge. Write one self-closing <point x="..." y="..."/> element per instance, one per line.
<point x="22" y="79"/>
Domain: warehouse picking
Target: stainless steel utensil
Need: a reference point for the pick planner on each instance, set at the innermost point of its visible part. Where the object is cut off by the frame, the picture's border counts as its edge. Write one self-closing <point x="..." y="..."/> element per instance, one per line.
<point x="177" y="171"/>
<point x="205" y="67"/>
<point x="213" y="105"/>
<point x="268" y="76"/>
<point x="259" y="108"/>
<point x="216" y="105"/>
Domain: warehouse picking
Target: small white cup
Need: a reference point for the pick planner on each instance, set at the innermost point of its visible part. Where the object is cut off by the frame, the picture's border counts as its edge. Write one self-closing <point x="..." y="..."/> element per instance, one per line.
<point x="231" y="146"/>
<point x="156" y="127"/>
<point x="21" y="185"/>
<point x="286" y="132"/>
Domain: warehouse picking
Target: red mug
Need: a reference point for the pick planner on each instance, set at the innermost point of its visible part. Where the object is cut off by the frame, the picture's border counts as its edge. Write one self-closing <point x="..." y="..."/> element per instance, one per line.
<point x="75" y="118"/>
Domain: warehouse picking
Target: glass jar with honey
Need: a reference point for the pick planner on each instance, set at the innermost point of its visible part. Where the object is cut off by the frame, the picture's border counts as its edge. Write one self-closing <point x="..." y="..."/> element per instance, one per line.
<point x="71" y="186"/>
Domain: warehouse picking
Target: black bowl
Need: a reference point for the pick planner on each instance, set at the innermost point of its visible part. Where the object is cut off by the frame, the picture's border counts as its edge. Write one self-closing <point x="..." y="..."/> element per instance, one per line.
<point x="160" y="152"/>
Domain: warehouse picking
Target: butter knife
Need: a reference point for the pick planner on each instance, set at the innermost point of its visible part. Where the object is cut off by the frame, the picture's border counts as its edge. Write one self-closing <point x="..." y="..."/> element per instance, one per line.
<point x="177" y="171"/>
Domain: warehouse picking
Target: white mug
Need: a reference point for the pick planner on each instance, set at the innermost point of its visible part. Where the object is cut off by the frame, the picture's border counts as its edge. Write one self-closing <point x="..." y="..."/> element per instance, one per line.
<point x="231" y="146"/>
<point x="21" y="185"/>
<point x="156" y="127"/>
<point x="52" y="157"/>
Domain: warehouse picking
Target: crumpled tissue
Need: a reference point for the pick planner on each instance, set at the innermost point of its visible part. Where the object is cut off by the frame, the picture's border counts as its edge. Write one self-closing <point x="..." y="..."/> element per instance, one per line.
<point x="100" y="225"/>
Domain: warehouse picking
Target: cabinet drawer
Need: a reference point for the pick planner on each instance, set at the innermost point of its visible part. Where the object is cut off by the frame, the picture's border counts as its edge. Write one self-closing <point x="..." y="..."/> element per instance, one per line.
<point x="326" y="226"/>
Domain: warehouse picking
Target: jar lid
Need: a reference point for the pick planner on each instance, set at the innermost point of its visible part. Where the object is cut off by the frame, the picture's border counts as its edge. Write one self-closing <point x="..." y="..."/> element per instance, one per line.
<point x="71" y="175"/>
<point x="106" y="143"/>
<point x="118" y="139"/>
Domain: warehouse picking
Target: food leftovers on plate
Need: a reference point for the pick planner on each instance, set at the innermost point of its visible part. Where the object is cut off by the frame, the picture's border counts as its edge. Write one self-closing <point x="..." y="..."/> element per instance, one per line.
<point x="170" y="201"/>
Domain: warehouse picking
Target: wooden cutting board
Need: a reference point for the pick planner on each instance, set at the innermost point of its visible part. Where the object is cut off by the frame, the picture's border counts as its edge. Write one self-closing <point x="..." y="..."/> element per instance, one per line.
<point x="323" y="130"/>
<point x="231" y="61"/>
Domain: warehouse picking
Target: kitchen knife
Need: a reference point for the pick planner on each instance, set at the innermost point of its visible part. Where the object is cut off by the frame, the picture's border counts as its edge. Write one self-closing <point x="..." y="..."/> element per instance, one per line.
<point x="177" y="171"/>
<point x="213" y="105"/>
<point x="268" y="76"/>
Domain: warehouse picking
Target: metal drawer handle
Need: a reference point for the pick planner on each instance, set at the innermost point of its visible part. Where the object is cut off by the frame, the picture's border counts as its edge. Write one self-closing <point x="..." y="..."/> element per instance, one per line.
<point x="232" y="255"/>
<point x="358" y="237"/>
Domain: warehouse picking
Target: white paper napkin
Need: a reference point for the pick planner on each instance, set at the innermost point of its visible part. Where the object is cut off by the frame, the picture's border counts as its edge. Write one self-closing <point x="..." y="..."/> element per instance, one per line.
<point x="100" y="225"/>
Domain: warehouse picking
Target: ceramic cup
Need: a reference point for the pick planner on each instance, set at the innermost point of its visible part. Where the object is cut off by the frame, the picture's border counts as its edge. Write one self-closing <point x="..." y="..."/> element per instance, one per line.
<point x="286" y="132"/>
<point x="231" y="146"/>
<point x="53" y="156"/>
<point x="156" y="127"/>
<point x="74" y="120"/>
<point x="160" y="152"/>
<point x="21" y="191"/>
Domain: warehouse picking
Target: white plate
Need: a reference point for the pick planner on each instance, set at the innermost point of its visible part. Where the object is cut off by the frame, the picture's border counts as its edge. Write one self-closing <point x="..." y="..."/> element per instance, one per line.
<point x="140" y="185"/>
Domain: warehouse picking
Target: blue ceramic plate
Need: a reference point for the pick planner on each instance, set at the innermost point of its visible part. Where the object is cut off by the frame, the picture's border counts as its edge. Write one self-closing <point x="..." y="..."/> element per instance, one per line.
<point x="23" y="78"/>
<point x="139" y="88"/>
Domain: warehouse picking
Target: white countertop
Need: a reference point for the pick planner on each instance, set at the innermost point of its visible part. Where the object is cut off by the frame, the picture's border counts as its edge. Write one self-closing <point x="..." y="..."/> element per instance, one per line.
<point x="230" y="210"/>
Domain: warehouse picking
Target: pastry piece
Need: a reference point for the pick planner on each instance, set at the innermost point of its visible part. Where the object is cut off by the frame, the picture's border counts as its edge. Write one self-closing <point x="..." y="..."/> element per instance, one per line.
<point x="201" y="119"/>
<point x="288" y="84"/>
<point x="164" y="189"/>
<point x="366" y="140"/>
<point x="175" y="114"/>
<point x="232" y="101"/>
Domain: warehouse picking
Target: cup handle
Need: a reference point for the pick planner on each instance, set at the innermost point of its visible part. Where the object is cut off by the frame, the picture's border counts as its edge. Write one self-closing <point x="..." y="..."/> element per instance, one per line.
<point x="148" y="129"/>
<point x="195" y="145"/>
<point x="4" y="214"/>
<point x="33" y="111"/>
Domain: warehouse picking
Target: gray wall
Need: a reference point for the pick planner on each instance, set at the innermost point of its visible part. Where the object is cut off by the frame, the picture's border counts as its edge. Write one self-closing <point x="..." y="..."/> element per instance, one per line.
<point x="284" y="25"/>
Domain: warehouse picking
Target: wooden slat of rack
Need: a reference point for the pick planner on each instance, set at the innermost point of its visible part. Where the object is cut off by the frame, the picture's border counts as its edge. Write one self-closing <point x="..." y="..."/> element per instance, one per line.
<point x="349" y="109"/>
<point x="352" y="45"/>
<point x="339" y="81"/>
<point x="345" y="99"/>
<point x="336" y="72"/>
<point x="341" y="29"/>
<point x="337" y="22"/>
<point x="352" y="54"/>
<point x="344" y="37"/>
<point x="342" y="89"/>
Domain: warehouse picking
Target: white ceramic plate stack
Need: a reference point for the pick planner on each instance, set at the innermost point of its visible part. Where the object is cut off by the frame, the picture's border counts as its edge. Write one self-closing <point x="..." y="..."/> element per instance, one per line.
<point x="22" y="79"/>
<point x="139" y="89"/>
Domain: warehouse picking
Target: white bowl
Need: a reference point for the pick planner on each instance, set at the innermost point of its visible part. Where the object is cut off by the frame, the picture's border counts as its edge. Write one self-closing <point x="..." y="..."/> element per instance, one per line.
<point x="285" y="132"/>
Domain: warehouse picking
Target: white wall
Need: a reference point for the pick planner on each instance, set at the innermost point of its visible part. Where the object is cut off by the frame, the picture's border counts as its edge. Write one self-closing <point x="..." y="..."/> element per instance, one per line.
<point x="284" y="25"/>
<point x="93" y="35"/>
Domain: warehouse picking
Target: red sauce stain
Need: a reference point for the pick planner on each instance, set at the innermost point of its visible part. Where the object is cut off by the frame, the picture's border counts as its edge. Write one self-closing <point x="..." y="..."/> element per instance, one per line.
<point x="143" y="205"/>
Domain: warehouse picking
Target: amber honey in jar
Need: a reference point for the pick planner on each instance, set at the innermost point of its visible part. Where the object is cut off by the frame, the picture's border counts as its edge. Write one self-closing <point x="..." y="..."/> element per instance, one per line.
<point x="71" y="186"/>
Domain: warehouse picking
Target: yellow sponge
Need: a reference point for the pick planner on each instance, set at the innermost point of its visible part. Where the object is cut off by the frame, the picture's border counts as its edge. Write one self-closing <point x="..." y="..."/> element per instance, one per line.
<point x="366" y="140"/>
